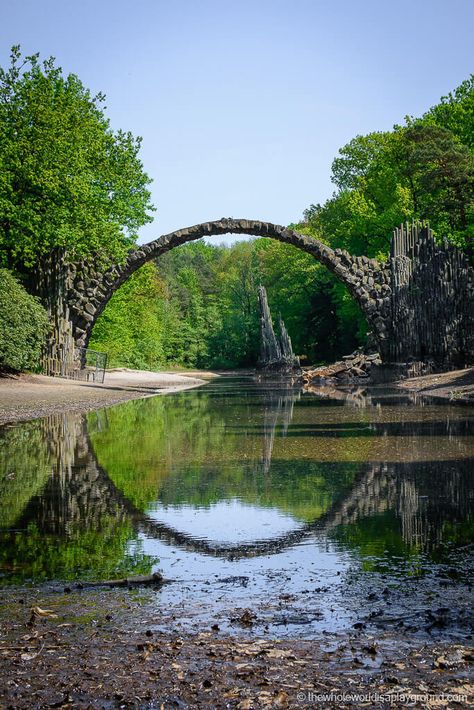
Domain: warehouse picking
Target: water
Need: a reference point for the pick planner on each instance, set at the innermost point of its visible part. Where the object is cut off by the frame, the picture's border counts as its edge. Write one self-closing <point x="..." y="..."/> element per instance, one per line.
<point x="311" y="511"/>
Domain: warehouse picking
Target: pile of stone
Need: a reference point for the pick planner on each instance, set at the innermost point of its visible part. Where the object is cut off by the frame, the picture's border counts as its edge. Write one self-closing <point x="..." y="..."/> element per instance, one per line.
<point x="352" y="368"/>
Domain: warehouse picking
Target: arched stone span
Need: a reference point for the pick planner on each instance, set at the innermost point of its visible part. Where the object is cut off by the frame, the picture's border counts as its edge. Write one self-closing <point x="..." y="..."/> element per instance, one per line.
<point x="419" y="304"/>
<point x="367" y="280"/>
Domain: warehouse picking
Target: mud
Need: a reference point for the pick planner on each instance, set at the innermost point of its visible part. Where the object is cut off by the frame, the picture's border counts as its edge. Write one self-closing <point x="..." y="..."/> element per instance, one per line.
<point x="119" y="649"/>
<point x="455" y="386"/>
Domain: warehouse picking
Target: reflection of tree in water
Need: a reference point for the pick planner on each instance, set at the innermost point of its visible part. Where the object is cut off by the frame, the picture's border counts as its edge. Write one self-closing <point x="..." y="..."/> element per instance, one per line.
<point x="75" y="503"/>
<point x="70" y="525"/>
<point x="76" y="495"/>
<point x="25" y="465"/>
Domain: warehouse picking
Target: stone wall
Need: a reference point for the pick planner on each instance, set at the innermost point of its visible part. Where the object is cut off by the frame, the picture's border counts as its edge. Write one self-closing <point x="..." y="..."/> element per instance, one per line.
<point x="432" y="300"/>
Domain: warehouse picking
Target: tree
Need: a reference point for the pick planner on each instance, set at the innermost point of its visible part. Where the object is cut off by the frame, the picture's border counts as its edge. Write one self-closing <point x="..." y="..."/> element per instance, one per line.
<point x="66" y="179"/>
<point x="440" y="170"/>
<point x="23" y="326"/>
<point x="131" y="328"/>
<point x="423" y="170"/>
<point x="456" y="112"/>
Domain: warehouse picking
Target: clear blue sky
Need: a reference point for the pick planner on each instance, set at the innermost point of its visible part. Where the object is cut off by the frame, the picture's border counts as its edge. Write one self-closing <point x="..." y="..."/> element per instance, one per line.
<point x="243" y="104"/>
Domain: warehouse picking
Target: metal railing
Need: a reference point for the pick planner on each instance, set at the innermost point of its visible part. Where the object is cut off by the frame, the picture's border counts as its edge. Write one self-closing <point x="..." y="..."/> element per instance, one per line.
<point x="79" y="364"/>
<point x="92" y="365"/>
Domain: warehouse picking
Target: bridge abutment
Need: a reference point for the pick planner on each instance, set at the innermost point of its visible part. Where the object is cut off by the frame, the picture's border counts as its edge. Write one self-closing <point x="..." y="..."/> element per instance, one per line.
<point x="432" y="301"/>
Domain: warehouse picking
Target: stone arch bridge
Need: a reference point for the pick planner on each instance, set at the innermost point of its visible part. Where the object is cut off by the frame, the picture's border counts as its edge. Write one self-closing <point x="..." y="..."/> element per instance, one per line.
<point x="419" y="304"/>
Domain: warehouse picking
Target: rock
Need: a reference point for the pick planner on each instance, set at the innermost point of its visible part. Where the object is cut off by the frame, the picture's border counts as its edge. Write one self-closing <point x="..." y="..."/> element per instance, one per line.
<point x="276" y="354"/>
<point x="351" y="368"/>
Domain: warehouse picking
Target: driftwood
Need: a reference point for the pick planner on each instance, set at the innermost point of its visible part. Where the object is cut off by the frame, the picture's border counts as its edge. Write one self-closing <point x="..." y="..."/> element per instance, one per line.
<point x="352" y="368"/>
<point x="154" y="579"/>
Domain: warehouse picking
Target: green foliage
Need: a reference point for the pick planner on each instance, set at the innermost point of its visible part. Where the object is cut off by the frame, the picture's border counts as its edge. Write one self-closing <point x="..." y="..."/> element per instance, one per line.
<point x="236" y="342"/>
<point x="23" y="326"/>
<point x="423" y="170"/>
<point x="131" y="327"/>
<point x="66" y="179"/>
<point x="209" y="317"/>
<point x="456" y="112"/>
<point x="440" y="171"/>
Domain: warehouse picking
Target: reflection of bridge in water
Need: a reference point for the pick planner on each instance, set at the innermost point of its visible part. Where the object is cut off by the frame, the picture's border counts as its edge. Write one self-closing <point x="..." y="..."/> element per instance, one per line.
<point x="81" y="493"/>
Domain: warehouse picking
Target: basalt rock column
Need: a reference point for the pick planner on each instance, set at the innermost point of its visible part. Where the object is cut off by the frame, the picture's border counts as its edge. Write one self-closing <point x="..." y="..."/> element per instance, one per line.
<point x="276" y="352"/>
<point x="270" y="351"/>
<point x="432" y="299"/>
<point x="52" y="284"/>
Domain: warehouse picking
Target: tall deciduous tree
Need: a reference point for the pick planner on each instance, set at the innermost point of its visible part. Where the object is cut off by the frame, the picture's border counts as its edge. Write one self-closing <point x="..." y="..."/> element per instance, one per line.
<point x="440" y="170"/>
<point x="66" y="178"/>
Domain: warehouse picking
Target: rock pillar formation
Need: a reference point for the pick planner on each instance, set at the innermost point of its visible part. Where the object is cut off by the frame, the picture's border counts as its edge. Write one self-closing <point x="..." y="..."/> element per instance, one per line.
<point x="276" y="354"/>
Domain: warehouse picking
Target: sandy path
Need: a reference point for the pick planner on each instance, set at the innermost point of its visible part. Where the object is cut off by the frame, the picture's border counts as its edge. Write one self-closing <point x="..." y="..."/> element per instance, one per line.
<point x="29" y="396"/>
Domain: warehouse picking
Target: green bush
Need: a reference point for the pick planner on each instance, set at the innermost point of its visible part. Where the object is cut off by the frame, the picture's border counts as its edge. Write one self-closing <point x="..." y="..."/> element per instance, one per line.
<point x="23" y="326"/>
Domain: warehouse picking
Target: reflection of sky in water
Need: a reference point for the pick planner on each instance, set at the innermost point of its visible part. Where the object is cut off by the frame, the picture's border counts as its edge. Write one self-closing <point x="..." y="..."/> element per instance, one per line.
<point x="205" y="588"/>
<point x="225" y="521"/>
<point x="248" y="495"/>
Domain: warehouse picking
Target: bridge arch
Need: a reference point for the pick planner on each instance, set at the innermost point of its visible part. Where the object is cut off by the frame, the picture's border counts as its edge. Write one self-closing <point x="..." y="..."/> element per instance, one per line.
<point x="368" y="281"/>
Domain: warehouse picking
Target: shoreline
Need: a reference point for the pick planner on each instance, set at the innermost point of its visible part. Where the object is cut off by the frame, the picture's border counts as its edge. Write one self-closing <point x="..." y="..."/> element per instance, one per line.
<point x="26" y="396"/>
<point x="455" y="386"/>
<point x="127" y="662"/>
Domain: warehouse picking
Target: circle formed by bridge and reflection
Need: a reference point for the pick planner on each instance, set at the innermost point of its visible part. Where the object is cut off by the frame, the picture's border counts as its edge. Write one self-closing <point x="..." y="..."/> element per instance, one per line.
<point x="247" y="495"/>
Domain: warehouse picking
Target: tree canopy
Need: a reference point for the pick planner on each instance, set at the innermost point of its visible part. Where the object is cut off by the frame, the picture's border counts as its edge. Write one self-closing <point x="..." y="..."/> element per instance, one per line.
<point x="423" y="170"/>
<point x="66" y="178"/>
<point x="209" y="313"/>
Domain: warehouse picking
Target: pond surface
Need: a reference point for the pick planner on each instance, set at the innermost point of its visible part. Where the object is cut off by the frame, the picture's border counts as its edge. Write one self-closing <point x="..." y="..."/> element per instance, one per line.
<point x="312" y="512"/>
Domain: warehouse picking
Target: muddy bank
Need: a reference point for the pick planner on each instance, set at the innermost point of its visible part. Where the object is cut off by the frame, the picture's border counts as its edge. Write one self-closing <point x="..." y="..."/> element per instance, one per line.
<point x="101" y="650"/>
<point x="29" y="396"/>
<point x="455" y="386"/>
<point x="408" y="643"/>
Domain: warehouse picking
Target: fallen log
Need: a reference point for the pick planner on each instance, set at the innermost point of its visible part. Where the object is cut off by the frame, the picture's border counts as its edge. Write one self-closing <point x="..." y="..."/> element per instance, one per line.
<point x="140" y="581"/>
<point x="352" y="368"/>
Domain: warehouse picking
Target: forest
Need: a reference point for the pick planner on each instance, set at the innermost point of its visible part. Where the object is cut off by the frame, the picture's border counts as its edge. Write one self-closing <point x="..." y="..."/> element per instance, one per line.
<point x="197" y="305"/>
<point x="70" y="184"/>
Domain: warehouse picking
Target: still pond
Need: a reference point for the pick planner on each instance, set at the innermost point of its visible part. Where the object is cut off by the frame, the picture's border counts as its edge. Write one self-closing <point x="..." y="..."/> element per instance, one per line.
<point x="307" y="512"/>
